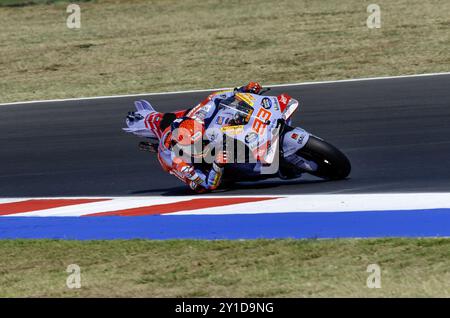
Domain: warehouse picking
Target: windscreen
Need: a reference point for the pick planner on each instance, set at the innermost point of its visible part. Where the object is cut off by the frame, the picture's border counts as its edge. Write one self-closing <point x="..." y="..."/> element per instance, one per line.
<point x="242" y="111"/>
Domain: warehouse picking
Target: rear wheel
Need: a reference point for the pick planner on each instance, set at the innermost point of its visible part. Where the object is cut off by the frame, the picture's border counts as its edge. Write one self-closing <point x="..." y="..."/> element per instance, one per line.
<point x="332" y="163"/>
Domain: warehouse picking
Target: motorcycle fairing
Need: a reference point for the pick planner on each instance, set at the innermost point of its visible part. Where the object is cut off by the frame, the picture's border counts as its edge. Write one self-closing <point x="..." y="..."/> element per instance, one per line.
<point x="143" y="121"/>
<point x="294" y="140"/>
<point x="254" y="122"/>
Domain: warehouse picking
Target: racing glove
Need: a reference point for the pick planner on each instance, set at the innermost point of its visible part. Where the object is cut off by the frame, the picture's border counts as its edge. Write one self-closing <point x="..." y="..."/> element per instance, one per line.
<point x="252" y="87"/>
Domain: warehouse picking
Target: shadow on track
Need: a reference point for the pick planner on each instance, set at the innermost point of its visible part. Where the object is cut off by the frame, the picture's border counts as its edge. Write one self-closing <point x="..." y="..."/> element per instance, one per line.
<point x="185" y="191"/>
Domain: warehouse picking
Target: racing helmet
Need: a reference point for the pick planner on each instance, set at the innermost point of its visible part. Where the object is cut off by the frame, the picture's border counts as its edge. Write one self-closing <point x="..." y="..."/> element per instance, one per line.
<point x="187" y="137"/>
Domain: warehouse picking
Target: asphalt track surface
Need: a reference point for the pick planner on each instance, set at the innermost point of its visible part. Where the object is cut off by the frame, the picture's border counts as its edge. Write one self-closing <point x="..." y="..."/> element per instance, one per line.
<point x="396" y="133"/>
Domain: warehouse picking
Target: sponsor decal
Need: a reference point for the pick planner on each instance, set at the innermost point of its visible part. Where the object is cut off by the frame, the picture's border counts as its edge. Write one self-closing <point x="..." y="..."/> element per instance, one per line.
<point x="298" y="138"/>
<point x="262" y="118"/>
<point x="275" y="104"/>
<point x="200" y="111"/>
<point x="266" y="103"/>
<point x="245" y="97"/>
<point x="250" y="138"/>
<point x="283" y="100"/>
<point x="233" y="130"/>
<point x="219" y="120"/>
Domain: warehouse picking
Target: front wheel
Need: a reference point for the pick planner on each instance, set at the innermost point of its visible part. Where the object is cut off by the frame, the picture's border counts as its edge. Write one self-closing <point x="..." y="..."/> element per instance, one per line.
<point x="332" y="163"/>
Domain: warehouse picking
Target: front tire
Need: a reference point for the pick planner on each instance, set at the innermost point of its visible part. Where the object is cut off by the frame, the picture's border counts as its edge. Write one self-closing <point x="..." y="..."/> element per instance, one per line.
<point x="332" y="163"/>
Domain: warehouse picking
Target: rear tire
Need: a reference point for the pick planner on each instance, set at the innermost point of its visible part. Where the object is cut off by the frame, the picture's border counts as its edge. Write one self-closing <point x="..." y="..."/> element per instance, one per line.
<point x="332" y="163"/>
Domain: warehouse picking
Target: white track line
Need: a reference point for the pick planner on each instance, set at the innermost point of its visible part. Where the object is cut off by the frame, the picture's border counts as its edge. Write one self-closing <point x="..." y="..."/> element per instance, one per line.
<point x="223" y="88"/>
<point x="312" y="203"/>
<point x="316" y="203"/>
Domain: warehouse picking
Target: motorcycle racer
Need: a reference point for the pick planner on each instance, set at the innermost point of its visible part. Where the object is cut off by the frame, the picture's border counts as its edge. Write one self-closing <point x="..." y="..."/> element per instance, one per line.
<point x="191" y="143"/>
<point x="185" y="139"/>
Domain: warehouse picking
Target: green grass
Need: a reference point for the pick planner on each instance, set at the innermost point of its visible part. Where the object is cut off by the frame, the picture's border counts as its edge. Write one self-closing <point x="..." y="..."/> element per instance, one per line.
<point x="259" y="268"/>
<point x="24" y="3"/>
<point x="135" y="46"/>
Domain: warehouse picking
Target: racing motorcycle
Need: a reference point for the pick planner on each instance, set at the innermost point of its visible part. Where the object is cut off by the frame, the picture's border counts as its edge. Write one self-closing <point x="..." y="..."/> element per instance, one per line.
<point x="260" y="127"/>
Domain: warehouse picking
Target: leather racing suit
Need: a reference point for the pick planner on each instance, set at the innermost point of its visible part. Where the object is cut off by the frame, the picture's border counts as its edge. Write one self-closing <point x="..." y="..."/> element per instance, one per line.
<point x="196" y="178"/>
